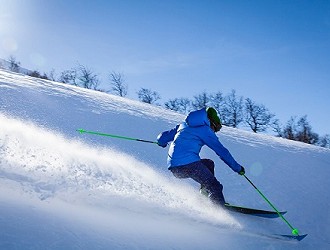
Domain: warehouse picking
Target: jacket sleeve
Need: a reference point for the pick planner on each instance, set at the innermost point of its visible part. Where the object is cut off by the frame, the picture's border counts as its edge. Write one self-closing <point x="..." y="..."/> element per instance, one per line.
<point x="167" y="136"/>
<point x="213" y="142"/>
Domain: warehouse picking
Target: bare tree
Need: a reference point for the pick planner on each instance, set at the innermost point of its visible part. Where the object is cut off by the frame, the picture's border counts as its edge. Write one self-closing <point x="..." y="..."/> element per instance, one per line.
<point x="117" y="83"/>
<point x="300" y="130"/>
<point x="148" y="96"/>
<point x="290" y="129"/>
<point x="37" y="74"/>
<point x="69" y="77"/>
<point x="14" y="65"/>
<point x="232" y="111"/>
<point x="52" y="75"/>
<point x="325" y="141"/>
<point x="216" y="101"/>
<point x="305" y="133"/>
<point x="277" y="127"/>
<point x="181" y="105"/>
<point x="184" y="104"/>
<point x="201" y="100"/>
<point x="88" y="79"/>
<point x="257" y="116"/>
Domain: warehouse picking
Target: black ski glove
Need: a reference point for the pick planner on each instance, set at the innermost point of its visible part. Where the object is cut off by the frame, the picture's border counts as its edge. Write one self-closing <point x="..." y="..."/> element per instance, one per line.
<point x="242" y="171"/>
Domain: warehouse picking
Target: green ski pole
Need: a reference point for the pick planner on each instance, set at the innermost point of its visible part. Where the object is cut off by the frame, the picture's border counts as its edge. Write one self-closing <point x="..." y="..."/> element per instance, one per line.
<point x="114" y="136"/>
<point x="294" y="230"/>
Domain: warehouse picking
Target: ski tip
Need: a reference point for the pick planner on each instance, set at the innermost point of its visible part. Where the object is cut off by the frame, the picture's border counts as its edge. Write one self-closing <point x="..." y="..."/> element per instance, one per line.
<point x="300" y="237"/>
<point x="294" y="237"/>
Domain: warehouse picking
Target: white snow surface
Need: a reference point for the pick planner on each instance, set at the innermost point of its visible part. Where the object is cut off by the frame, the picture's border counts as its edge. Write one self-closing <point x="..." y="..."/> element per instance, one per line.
<point x="64" y="190"/>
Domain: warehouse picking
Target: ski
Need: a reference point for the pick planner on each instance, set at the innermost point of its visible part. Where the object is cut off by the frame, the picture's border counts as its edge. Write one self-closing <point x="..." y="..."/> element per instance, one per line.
<point x="253" y="211"/>
<point x="291" y="237"/>
<point x="282" y="237"/>
<point x="267" y="235"/>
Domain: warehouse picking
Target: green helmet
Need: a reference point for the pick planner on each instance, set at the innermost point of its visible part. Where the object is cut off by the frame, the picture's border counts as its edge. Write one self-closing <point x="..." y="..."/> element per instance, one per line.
<point x="214" y="118"/>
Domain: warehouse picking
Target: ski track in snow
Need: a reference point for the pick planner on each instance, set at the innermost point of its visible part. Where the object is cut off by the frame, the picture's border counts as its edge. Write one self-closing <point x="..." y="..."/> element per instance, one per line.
<point x="52" y="166"/>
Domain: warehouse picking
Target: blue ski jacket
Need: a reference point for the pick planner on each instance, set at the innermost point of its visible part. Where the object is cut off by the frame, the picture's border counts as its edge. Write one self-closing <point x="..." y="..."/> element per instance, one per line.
<point x="189" y="137"/>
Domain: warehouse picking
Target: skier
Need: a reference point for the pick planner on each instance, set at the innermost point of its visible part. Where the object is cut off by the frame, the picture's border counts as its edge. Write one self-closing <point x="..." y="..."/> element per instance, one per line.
<point x="187" y="139"/>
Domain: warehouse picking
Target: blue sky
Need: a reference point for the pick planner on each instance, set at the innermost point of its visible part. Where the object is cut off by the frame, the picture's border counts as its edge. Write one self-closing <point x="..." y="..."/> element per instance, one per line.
<point x="274" y="52"/>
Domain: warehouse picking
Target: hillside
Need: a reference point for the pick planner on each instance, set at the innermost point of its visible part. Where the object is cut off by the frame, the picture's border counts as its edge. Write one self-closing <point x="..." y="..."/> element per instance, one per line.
<point x="5" y="65"/>
<point x="64" y="190"/>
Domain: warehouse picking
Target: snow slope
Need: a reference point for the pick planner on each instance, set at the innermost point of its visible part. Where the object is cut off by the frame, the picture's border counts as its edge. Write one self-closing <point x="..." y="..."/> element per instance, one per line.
<point x="64" y="190"/>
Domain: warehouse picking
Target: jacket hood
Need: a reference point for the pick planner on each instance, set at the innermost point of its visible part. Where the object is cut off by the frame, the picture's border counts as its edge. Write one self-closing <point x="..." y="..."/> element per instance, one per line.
<point x="197" y="118"/>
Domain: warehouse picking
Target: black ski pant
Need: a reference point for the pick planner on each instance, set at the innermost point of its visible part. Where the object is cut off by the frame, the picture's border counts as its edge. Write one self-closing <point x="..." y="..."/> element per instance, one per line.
<point x="202" y="172"/>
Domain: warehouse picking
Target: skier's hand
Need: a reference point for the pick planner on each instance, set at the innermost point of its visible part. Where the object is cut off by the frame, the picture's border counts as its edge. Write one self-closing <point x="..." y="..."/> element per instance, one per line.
<point x="162" y="144"/>
<point x="242" y="171"/>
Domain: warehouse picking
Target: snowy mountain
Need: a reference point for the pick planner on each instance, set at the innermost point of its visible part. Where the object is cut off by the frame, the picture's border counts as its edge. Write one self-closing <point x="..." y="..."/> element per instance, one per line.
<point x="64" y="190"/>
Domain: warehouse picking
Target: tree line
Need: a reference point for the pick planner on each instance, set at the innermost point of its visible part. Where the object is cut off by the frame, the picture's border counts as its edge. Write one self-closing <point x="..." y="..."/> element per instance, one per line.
<point x="234" y="110"/>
